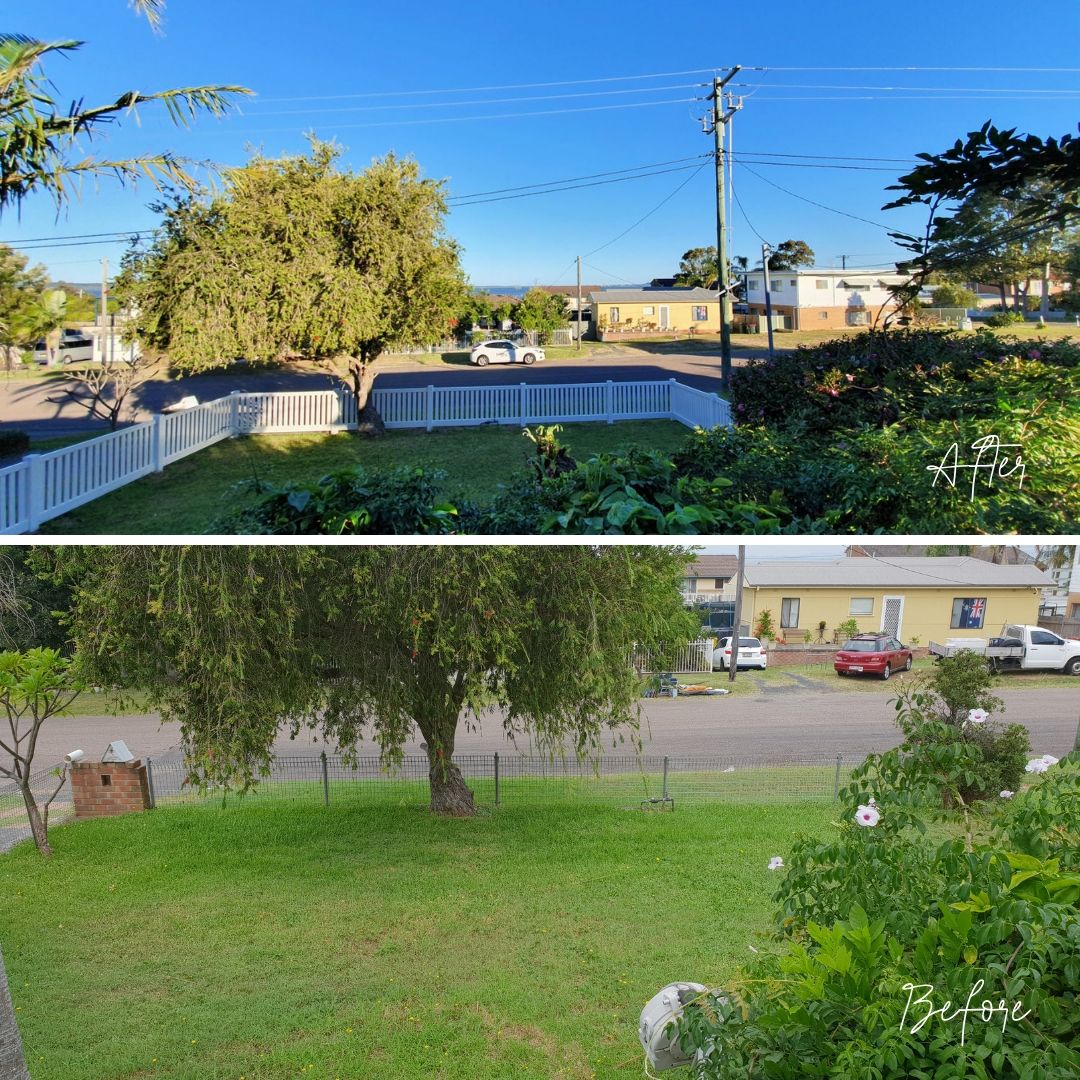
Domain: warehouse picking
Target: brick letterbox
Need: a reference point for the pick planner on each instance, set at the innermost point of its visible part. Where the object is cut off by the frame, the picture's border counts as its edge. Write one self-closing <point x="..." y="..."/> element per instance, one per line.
<point x="108" y="788"/>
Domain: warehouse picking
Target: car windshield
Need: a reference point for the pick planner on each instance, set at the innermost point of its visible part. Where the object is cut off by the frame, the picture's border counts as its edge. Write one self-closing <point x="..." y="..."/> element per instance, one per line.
<point x="745" y="642"/>
<point x="863" y="645"/>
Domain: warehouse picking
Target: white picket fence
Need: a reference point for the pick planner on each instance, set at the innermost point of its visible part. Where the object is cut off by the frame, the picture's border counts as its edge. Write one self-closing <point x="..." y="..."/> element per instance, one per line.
<point x="44" y="486"/>
<point x="693" y="658"/>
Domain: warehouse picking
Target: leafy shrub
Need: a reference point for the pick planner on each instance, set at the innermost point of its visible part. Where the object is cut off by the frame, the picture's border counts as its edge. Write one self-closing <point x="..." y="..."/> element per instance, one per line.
<point x="848" y="629"/>
<point x="403" y="500"/>
<point x="882" y="924"/>
<point x="13" y="442"/>
<point x="764" y="627"/>
<point x="1005" y="318"/>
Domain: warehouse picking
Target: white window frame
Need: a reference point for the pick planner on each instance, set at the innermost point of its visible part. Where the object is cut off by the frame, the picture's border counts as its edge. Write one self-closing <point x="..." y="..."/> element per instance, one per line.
<point x="851" y="606"/>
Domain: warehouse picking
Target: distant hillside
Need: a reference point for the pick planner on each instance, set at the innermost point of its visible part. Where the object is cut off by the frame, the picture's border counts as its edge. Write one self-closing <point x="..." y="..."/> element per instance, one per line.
<point x="93" y="290"/>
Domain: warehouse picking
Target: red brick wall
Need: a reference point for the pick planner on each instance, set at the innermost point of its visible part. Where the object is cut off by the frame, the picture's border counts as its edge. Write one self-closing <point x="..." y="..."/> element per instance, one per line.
<point x="126" y="790"/>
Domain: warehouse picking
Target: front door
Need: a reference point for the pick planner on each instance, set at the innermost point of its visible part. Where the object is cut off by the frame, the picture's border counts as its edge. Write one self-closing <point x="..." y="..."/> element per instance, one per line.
<point x="665" y="317"/>
<point x="892" y="616"/>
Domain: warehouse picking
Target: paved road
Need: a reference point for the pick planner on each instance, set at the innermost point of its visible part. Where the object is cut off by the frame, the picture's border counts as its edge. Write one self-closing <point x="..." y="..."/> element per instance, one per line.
<point x="774" y="725"/>
<point x="24" y="403"/>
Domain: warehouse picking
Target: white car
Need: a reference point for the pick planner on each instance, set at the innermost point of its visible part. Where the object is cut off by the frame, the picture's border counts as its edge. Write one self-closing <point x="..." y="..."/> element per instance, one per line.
<point x="752" y="653"/>
<point x="502" y="351"/>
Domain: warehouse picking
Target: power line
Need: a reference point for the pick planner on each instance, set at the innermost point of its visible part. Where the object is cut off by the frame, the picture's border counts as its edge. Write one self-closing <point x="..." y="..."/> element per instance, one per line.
<point x="640" y="220"/>
<point x="588" y="176"/>
<point x="483" y="101"/>
<point x="614" y="277"/>
<point x="932" y="89"/>
<point x="504" y="86"/>
<point x="831" y="209"/>
<point x="1041" y="70"/>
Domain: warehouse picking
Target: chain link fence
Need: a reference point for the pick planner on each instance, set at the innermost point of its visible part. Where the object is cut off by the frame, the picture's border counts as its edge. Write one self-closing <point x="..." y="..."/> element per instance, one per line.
<point x="496" y="780"/>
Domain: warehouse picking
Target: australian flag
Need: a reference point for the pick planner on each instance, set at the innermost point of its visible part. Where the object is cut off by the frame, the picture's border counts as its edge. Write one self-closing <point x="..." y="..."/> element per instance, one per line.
<point x="971" y="614"/>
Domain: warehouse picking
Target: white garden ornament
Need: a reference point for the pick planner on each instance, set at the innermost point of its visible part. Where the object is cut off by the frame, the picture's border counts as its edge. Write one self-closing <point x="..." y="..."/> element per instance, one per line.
<point x="1006" y="794"/>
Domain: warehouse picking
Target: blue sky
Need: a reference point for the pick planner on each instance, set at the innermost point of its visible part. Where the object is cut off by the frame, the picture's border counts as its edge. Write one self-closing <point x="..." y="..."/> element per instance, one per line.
<point x="375" y="78"/>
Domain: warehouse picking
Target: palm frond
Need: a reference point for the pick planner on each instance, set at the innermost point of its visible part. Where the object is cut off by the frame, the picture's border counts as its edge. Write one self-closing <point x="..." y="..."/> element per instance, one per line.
<point x="153" y="10"/>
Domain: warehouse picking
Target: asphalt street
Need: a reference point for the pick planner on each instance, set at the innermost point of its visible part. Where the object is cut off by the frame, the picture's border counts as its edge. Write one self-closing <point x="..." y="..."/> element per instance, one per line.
<point x="774" y="725"/>
<point x="28" y="405"/>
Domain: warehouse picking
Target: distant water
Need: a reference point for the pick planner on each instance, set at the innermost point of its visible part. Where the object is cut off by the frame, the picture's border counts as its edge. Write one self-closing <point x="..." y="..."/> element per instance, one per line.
<point x="521" y="290"/>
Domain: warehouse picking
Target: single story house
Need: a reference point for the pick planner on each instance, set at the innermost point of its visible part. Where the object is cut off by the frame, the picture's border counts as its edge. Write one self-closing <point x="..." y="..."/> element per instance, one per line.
<point x="926" y="598"/>
<point x="659" y="311"/>
<point x="822" y="298"/>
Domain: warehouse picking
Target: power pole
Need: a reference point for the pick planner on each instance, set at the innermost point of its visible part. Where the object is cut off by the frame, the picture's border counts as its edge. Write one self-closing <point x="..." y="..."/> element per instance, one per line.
<point x="579" y="303"/>
<point x="720" y="120"/>
<point x="843" y="261"/>
<point x="736" y="631"/>
<point x="766" y="251"/>
<point x="104" y="311"/>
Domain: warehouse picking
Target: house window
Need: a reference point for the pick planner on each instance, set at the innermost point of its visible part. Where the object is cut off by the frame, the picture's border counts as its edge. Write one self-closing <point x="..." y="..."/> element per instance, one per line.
<point x="752" y="286"/>
<point x="858" y="318"/>
<point x="701" y="313"/>
<point x="648" y="311"/>
<point x="792" y="282"/>
<point x="789" y="613"/>
<point x="823" y="314"/>
<point x="861" y="605"/>
<point x="820" y="283"/>
<point x="775" y="286"/>
<point x="613" y="315"/>
<point x="968" y="613"/>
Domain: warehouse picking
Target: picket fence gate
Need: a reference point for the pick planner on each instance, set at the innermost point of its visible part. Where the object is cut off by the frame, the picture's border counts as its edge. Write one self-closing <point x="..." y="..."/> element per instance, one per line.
<point x="44" y="486"/>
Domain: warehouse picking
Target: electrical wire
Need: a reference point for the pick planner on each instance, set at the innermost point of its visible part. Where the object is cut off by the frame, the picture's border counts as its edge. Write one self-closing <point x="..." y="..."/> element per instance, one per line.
<point x="614" y="277"/>
<point x="822" y="206"/>
<point x="644" y="218"/>
<point x="931" y="89"/>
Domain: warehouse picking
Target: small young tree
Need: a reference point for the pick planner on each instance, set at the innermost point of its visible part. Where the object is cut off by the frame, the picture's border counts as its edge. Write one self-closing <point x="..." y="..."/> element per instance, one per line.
<point x="951" y="295"/>
<point x="102" y="389"/>
<point x="34" y="686"/>
<point x="961" y="683"/>
<point x="539" y="310"/>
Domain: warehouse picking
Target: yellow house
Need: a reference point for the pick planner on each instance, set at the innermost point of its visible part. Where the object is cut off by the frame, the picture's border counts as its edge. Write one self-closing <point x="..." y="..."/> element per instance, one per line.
<point x="908" y="598"/>
<point x="657" y="311"/>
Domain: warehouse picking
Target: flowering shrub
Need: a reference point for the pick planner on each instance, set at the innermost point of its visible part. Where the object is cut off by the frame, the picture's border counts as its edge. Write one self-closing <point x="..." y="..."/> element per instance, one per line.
<point x="882" y="928"/>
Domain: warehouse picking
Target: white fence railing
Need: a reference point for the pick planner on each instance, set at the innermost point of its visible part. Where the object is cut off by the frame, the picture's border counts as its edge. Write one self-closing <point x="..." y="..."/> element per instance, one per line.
<point x="44" y="486"/>
<point x="694" y="658"/>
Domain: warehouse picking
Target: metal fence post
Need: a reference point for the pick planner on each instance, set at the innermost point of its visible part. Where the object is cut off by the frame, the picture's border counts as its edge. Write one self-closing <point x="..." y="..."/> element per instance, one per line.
<point x="496" y="778"/>
<point x="150" y="782"/>
<point x="665" y="779"/>
<point x="836" y="781"/>
<point x="325" y="780"/>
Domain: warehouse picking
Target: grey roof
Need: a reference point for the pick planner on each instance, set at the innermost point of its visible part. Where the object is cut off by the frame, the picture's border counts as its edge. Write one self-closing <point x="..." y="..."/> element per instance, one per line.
<point x="648" y="296"/>
<point x="713" y="566"/>
<point x="923" y="573"/>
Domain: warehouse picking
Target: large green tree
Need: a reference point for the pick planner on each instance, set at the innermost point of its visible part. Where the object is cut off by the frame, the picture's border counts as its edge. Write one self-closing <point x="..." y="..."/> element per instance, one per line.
<point x="540" y="310"/>
<point x="297" y="258"/>
<point x="370" y="641"/>
<point x="698" y="268"/>
<point x="990" y="196"/>
<point x="791" y="254"/>
<point x="21" y="289"/>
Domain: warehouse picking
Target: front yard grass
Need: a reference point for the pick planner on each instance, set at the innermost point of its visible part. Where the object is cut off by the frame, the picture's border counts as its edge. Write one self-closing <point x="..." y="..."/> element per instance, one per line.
<point x="190" y="494"/>
<point x="286" y="940"/>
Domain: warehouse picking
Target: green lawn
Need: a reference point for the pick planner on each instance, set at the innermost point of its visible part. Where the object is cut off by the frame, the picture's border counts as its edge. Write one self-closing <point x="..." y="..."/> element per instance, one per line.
<point x="276" y="941"/>
<point x="191" y="493"/>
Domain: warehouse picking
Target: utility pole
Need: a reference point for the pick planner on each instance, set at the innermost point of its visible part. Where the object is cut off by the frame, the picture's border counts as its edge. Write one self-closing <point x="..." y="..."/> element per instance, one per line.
<point x="766" y="251"/>
<point x="720" y="120"/>
<point x="843" y="261"/>
<point x="579" y="303"/>
<point x="736" y="631"/>
<point x="104" y="311"/>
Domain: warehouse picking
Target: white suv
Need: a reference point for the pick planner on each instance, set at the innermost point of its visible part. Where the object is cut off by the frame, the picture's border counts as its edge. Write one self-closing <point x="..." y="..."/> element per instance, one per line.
<point x="752" y="653"/>
<point x="502" y="351"/>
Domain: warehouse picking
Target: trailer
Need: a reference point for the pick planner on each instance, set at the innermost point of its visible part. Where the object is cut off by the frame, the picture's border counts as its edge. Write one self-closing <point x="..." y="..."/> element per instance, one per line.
<point x="1018" y="648"/>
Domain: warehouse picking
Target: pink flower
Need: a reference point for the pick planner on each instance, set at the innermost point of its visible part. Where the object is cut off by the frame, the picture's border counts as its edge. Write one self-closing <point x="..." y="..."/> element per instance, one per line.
<point x="978" y="716"/>
<point x="1034" y="354"/>
<point x="776" y="863"/>
<point x="1040" y="764"/>
<point x="1006" y="794"/>
<point x="868" y="816"/>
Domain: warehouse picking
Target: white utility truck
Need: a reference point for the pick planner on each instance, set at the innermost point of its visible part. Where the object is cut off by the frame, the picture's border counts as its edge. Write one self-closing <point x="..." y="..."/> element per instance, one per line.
<point x="1019" y="648"/>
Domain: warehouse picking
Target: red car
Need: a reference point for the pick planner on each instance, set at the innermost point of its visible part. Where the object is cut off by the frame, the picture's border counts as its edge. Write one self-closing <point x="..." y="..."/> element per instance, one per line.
<point x="872" y="654"/>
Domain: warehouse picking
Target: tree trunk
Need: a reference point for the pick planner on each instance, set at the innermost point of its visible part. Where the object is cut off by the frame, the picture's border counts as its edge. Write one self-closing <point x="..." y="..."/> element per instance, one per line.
<point x="37" y="824"/>
<point x="12" y="1061"/>
<point x="450" y="794"/>
<point x="1004" y="296"/>
<point x="363" y="378"/>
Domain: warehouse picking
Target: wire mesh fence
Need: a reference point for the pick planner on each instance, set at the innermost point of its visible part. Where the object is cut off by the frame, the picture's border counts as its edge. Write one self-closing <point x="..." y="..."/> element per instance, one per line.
<point x="497" y="780"/>
<point x="14" y="825"/>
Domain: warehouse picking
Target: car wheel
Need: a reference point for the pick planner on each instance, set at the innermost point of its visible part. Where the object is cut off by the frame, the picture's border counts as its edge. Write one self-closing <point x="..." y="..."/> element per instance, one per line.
<point x="907" y="666"/>
<point x="1073" y="666"/>
<point x="481" y="361"/>
<point x="886" y="673"/>
<point x="528" y="358"/>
